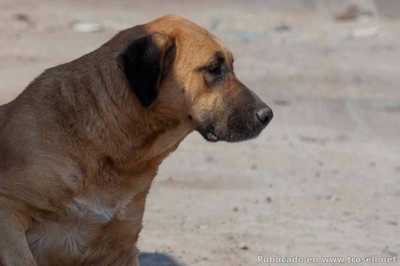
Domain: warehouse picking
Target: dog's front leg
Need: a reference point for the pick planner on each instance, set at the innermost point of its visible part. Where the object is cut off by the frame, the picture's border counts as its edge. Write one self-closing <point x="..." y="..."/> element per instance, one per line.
<point x="14" y="248"/>
<point x="111" y="257"/>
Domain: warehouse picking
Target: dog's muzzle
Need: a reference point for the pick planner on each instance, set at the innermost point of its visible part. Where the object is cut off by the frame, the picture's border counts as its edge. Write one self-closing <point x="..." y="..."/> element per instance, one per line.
<point x="241" y="125"/>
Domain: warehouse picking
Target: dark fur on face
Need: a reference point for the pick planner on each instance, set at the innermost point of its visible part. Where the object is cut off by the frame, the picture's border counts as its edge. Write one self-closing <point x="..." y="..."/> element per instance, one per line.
<point x="236" y="113"/>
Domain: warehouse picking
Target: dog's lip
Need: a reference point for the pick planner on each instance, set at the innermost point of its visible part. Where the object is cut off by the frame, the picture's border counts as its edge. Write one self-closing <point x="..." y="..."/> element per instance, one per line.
<point x="210" y="136"/>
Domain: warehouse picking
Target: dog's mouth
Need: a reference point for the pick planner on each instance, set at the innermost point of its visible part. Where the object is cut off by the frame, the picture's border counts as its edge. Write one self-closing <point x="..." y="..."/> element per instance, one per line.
<point x="209" y="134"/>
<point x="239" y="127"/>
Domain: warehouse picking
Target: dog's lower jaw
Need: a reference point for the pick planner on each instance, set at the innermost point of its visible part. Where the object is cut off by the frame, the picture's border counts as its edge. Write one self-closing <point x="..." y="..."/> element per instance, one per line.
<point x="164" y="143"/>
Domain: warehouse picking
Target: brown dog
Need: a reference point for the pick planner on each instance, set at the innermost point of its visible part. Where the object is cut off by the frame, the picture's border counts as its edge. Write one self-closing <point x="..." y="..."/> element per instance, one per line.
<point x="81" y="145"/>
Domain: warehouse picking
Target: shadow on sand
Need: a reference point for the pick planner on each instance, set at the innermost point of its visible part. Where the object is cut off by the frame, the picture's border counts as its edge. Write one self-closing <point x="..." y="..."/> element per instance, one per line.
<point x="157" y="259"/>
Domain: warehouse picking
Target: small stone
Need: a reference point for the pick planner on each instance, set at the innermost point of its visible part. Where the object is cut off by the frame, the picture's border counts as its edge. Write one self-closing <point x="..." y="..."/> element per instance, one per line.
<point x="351" y="12"/>
<point x="316" y="140"/>
<point x="23" y="17"/>
<point x="365" y="32"/>
<point x="281" y="102"/>
<point x="24" y="20"/>
<point x="231" y="238"/>
<point x="282" y="27"/>
<point x="235" y="209"/>
<point x="244" y="247"/>
<point x="268" y="199"/>
<point x="86" y="27"/>
<point x="170" y="180"/>
<point x="203" y="227"/>
<point x="332" y="198"/>
<point x="394" y="223"/>
<point x="210" y="159"/>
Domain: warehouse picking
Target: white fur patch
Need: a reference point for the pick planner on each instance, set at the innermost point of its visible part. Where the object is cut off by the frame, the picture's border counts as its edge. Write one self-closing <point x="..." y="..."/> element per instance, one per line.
<point x="92" y="208"/>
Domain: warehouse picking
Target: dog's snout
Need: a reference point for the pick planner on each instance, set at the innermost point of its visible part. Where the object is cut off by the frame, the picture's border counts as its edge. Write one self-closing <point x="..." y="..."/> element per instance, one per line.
<point x="264" y="115"/>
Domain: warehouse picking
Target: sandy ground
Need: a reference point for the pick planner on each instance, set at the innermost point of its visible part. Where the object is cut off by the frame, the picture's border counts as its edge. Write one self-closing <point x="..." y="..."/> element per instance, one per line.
<point x="322" y="180"/>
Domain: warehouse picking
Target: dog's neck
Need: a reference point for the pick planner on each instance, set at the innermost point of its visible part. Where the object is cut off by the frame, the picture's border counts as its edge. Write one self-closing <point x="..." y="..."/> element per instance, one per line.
<point x="109" y="121"/>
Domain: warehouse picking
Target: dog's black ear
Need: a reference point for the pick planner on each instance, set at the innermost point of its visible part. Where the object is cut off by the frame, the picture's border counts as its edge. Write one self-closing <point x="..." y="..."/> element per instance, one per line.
<point x="144" y="62"/>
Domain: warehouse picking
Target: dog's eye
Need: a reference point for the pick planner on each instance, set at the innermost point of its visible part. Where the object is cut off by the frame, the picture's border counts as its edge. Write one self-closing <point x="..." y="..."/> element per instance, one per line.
<point x="215" y="70"/>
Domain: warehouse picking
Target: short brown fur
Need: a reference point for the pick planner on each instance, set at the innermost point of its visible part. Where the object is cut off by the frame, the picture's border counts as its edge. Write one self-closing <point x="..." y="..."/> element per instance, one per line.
<point x="78" y="152"/>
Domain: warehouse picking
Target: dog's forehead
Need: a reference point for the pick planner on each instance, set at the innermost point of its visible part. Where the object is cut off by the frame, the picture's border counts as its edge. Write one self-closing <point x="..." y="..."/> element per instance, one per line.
<point x="171" y="23"/>
<point x="190" y="35"/>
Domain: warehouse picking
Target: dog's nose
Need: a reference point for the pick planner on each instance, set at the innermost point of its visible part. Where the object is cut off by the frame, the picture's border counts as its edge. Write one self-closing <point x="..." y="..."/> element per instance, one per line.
<point x="265" y="115"/>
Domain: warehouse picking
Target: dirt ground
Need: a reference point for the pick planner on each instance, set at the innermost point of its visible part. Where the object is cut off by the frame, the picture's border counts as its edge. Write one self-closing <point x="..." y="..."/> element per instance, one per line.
<point x="322" y="180"/>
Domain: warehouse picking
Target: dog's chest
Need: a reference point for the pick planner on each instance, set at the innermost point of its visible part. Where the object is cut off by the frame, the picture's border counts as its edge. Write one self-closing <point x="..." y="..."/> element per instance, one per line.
<point x="81" y="224"/>
<point x="97" y="209"/>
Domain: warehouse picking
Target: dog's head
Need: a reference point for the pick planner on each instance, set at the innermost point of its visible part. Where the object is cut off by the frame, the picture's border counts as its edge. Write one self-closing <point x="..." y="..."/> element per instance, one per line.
<point x="178" y="67"/>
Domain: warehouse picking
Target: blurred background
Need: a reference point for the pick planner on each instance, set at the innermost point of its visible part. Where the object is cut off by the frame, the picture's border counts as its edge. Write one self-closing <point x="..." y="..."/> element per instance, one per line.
<point x="322" y="180"/>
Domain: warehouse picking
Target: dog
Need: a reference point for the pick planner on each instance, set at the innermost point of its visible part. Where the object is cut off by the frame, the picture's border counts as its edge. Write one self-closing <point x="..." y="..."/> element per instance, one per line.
<point x="80" y="146"/>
